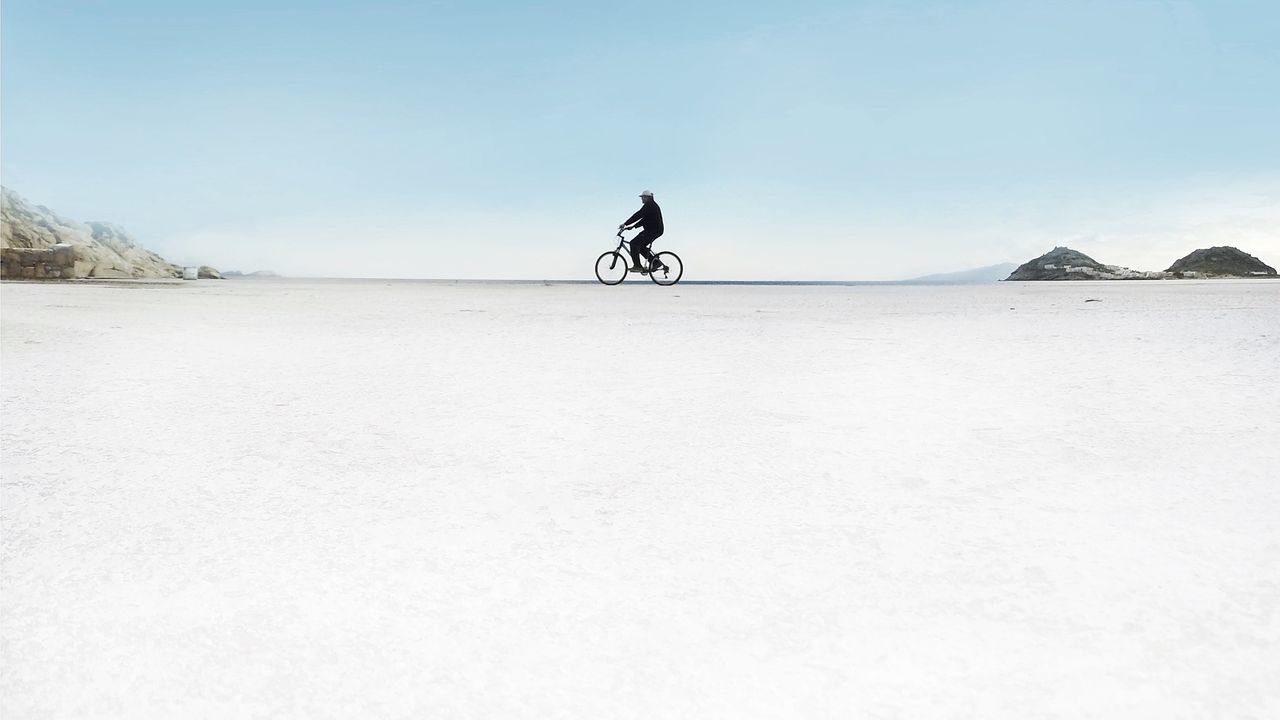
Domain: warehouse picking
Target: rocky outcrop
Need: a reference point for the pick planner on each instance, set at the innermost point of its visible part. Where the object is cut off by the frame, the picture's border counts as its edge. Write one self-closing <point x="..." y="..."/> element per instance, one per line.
<point x="1063" y="263"/>
<point x="97" y="250"/>
<point x="207" y="273"/>
<point x="1220" y="261"/>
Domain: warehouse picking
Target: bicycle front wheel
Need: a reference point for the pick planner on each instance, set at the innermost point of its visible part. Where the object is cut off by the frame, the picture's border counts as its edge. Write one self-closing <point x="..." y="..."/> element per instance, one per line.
<point x="666" y="268"/>
<point x="611" y="268"/>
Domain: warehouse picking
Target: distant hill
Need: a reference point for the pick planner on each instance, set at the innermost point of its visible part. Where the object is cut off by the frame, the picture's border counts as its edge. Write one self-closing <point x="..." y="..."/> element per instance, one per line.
<point x="1063" y="263"/>
<point x="1222" y="261"/>
<point x="988" y="274"/>
<point x="254" y="274"/>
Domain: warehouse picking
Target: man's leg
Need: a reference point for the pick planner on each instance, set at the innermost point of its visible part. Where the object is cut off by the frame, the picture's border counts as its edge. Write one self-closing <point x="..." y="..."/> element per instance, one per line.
<point x="648" y="253"/>
<point x="640" y="244"/>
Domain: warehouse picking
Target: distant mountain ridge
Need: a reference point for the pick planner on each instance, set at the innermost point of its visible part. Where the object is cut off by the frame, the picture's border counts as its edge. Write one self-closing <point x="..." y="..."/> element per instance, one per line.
<point x="987" y="274"/>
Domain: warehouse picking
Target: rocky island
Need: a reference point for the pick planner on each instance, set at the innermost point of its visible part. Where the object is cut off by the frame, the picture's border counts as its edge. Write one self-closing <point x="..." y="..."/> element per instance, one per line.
<point x="1063" y="263"/>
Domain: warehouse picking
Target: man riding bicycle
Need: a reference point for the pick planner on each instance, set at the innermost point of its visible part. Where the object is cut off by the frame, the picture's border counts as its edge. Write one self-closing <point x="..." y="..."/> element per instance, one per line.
<point x="648" y="217"/>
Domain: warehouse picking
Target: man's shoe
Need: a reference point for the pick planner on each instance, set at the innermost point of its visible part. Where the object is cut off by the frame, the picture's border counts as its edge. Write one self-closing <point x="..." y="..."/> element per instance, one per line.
<point x="637" y="268"/>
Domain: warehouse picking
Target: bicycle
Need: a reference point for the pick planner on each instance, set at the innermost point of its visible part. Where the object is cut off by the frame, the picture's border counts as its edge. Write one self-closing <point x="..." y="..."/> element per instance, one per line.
<point x="612" y="266"/>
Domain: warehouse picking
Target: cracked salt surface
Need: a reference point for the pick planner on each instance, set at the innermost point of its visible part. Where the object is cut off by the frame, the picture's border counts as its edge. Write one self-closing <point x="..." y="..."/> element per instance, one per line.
<point x="397" y="499"/>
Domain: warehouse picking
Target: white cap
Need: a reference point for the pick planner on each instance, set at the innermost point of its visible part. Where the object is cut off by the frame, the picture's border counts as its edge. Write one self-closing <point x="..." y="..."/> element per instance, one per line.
<point x="647" y="193"/>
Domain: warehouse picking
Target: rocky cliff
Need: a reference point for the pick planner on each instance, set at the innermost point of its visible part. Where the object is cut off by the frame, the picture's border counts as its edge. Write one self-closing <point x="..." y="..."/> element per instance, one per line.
<point x="37" y="242"/>
<point x="1222" y="261"/>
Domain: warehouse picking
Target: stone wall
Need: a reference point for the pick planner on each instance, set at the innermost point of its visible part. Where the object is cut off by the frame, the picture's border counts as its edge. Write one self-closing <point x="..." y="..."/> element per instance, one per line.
<point x="57" y="262"/>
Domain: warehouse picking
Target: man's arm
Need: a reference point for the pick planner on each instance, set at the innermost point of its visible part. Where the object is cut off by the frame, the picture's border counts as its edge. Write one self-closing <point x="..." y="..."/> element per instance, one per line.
<point x="633" y="218"/>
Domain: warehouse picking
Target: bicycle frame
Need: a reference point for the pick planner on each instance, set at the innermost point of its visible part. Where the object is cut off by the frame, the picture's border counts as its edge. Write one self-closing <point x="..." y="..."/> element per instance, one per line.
<point x="623" y="243"/>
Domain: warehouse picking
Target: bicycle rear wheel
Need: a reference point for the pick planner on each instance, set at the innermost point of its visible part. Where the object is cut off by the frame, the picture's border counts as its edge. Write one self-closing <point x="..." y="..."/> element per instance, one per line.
<point x="666" y="268"/>
<point x="611" y="268"/>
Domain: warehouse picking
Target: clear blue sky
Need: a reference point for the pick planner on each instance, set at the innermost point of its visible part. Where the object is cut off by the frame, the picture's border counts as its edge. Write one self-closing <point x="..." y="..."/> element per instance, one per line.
<point x="859" y="140"/>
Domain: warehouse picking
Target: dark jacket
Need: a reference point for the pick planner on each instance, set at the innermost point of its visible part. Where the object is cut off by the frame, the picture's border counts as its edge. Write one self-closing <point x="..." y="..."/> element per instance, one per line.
<point x="649" y="216"/>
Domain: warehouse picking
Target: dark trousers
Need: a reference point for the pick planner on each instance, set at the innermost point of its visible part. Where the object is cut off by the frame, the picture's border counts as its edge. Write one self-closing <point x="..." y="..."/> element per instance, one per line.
<point x="640" y="246"/>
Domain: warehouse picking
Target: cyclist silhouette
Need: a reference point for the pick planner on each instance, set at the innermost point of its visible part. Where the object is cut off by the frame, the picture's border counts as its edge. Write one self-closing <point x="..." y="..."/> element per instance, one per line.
<point x="648" y="217"/>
